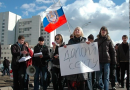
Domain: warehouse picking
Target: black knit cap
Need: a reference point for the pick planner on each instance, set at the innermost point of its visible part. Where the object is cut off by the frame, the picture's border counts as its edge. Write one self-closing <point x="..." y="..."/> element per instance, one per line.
<point x="91" y="37"/>
<point x="41" y="38"/>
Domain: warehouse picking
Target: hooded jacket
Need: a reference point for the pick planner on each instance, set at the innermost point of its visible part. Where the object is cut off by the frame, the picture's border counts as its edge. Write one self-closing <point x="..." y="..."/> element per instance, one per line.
<point x="77" y="77"/>
<point x="107" y="53"/>
<point x="37" y="61"/>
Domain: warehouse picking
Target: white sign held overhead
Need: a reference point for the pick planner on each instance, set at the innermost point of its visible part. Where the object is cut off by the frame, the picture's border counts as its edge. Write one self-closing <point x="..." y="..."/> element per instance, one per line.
<point x="79" y="58"/>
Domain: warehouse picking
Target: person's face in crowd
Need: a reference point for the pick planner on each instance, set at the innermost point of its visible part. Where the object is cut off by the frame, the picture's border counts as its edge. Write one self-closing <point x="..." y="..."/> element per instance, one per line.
<point x="21" y="41"/>
<point x="116" y="47"/>
<point x="103" y="32"/>
<point x="124" y="39"/>
<point x="77" y="32"/>
<point x="57" y="39"/>
<point x="90" y="40"/>
<point x="26" y="44"/>
<point x="71" y="37"/>
<point x="41" y="42"/>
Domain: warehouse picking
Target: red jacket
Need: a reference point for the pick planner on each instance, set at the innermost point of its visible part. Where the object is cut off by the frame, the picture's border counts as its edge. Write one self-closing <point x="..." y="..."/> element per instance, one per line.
<point x="29" y="62"/>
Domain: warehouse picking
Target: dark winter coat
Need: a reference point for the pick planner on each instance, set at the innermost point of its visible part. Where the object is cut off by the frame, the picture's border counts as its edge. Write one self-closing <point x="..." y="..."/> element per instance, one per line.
<point x="122" y="56"/>
<point x="107" y="53"/>
<point x="37" y="61"/>
<point x="16" y="55"/>
<point x="56" y="60"/>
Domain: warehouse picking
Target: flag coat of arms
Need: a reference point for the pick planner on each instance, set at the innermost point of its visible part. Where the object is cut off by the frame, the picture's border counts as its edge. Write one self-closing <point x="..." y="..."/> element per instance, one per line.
<point x="54" y="18"/>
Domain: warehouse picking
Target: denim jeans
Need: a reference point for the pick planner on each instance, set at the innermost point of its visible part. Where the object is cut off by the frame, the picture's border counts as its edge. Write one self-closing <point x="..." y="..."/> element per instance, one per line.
<point x="89" y="81"/>
<point x="6" y="70"/>
<point x="39" y="70"/>
<point x="106" y="67"/>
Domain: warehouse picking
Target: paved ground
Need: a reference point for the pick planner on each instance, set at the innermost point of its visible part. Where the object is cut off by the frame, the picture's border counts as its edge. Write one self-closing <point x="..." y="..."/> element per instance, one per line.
<point x="6" y="83"/>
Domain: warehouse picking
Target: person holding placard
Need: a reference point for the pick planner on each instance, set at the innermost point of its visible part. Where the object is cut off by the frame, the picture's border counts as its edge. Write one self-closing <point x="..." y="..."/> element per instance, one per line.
<point x="78" y="81"/>
<point x="107" y="55"/>
<point x="57" y="79"/>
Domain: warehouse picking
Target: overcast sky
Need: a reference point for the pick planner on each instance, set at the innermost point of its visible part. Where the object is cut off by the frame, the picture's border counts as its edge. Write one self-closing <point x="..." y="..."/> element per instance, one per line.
<point x="114" y="14"/>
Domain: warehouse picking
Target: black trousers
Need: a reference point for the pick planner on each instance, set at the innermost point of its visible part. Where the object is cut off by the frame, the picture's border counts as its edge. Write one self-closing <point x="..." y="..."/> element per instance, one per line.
<point x="124" y="66"/>
<point x="57" y="79"/>
<point x="19" y="78"/>
<point x="118" y="74"/>
<point x="112" y="76"/>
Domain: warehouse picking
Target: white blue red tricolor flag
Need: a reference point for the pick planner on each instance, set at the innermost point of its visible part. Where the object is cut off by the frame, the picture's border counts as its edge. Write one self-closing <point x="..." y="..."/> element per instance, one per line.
<point x="54" y="18"/>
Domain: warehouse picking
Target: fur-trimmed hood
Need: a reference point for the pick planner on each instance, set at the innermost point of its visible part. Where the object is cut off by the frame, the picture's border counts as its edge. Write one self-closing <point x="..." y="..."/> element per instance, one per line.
<point x="107" y="36"/>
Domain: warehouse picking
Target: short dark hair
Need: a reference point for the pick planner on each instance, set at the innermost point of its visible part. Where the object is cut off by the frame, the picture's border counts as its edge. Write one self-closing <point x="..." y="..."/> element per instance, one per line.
<point x="125" y="36"/>
<point x="91" y="37"/>
<point x="4" y="57"/>
<point x="21" y="37"/>
<point x="117" y="44"/>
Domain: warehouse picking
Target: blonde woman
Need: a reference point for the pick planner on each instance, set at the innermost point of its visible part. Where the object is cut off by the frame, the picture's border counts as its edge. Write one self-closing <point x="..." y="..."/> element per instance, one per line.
<point x="78" y="81"/>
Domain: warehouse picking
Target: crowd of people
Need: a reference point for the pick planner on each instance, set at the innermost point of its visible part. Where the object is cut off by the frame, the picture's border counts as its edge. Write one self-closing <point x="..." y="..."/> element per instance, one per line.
<point x="113" y="61"/>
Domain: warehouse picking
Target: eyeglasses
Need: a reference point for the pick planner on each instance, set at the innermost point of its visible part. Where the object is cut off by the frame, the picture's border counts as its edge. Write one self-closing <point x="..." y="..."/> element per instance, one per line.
<point x="57" y="38"/>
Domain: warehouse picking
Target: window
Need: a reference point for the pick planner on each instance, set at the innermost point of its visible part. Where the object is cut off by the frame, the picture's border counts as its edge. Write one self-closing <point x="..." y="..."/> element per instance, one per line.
<point x="1" y="57"/>
<point x="2" y="33"/>
<point x="3" y="23"/>
<point x="47" y="39"/>
<point x="44" y="33"/>
<point x="48" y="36"/>
<point x="3" y="26"/>
<point x="2" y="37"/>
<point x="5" y="52"/>
<point x="44" y="36"/>
<point x="2" y="40"/>
<point x="2" y="30"/>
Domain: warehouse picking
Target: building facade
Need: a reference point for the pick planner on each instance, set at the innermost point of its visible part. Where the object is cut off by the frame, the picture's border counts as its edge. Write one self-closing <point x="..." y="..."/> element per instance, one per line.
<point x="8" y="27"/>
<point x="13" y="25"/>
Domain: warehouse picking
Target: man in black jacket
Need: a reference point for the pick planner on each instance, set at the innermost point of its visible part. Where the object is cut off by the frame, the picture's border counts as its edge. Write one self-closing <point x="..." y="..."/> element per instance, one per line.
<point x="6" y="66"/>
<point x="18" y="50"/>
<point x="107" y="55"/>
<point x="123" y="60"/>
<point x="40" y="64"/>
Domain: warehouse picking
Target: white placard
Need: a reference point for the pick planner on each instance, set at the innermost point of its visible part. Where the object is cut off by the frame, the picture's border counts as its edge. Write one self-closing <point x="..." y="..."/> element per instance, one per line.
<point x="23" y="59"/>
<point x="79" y="58"/>
<point x="37" y="54"/>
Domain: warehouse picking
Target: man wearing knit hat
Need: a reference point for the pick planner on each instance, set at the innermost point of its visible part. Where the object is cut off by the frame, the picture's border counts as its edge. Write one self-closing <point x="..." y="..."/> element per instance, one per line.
<point x="40" y="64"/>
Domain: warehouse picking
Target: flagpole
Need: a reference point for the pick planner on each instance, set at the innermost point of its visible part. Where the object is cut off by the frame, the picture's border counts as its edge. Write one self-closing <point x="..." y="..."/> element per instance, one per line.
<point x="66" y="18"/>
